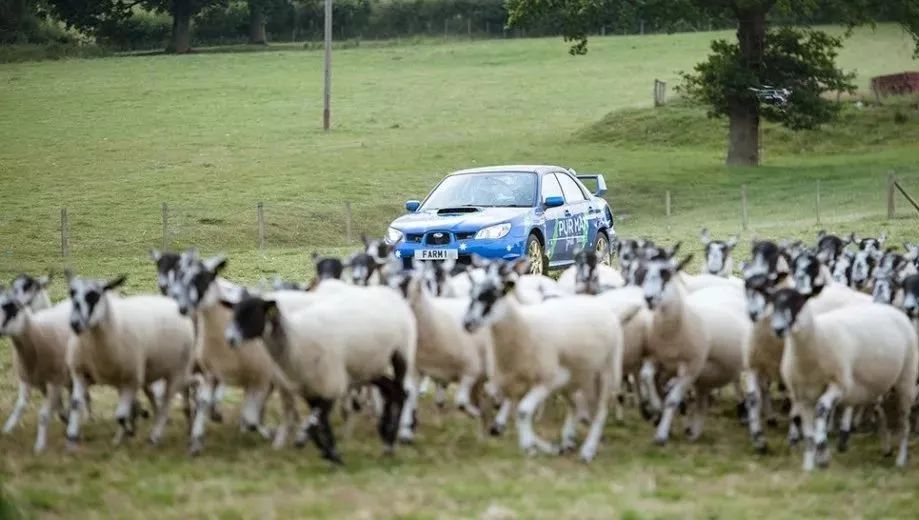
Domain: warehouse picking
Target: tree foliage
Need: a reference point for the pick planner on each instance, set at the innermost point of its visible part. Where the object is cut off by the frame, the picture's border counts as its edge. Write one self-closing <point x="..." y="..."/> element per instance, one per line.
<point x="802" y="61"/>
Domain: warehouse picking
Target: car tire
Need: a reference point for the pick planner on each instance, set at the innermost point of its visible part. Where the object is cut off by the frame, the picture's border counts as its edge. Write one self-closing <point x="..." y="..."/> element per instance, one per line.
<point x="602" y="248"/>
<point x="534" y="251"/>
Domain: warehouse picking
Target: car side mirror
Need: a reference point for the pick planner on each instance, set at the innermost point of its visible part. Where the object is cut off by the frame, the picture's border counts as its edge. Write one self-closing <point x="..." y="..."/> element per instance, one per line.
<point x="412" y="205"/>
<point x="555" y="201"/>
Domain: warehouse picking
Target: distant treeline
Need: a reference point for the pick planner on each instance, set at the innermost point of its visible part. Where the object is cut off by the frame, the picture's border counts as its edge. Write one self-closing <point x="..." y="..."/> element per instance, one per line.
<point x="23" y="21"/>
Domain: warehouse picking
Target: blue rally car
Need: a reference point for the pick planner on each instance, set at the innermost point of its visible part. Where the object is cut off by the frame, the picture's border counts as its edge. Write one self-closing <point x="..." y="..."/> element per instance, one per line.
<point x="544" y="212"/>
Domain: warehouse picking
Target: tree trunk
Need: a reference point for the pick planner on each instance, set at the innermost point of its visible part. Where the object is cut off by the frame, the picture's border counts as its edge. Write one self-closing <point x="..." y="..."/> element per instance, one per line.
<point x="180" y="41"/>
<point x="743" y="139"/>
<point x="257" y="34"/>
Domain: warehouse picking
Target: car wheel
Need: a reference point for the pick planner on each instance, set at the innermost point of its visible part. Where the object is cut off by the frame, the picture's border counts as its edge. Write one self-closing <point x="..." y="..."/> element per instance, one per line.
<point x="602" y="248"/>
<point x="536" y="255"/>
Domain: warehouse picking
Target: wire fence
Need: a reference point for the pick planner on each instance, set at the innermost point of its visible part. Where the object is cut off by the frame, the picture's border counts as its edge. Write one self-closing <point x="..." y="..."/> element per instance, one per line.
<point x="777" y="208"/>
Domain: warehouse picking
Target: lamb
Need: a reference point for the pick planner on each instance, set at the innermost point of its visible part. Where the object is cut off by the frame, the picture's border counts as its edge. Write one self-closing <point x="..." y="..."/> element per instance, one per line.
<point x="445" y="351"/>
<point x="323" y="351"/>
<point x="852" y="356"/>
<point x="541" y="349"/>
<point x="697" y="339"/>
<point x="40" y="342"/>
<point x="127" y="343"/>
<point x="589" y="275"/>
<point x="718" y="261"/>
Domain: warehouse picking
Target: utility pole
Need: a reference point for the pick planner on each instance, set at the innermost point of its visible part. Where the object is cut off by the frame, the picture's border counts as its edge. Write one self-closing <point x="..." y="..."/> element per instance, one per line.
<point x="327" y="91"/>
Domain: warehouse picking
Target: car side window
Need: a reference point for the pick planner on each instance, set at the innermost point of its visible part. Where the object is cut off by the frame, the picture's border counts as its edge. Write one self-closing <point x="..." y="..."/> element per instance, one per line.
<point x="550" y="187"/>
<point x="573" y="194"/>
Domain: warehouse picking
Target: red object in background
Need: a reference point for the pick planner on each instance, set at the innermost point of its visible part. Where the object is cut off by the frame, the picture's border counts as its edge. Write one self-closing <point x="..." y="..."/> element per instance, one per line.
<point x="896" y="84"/>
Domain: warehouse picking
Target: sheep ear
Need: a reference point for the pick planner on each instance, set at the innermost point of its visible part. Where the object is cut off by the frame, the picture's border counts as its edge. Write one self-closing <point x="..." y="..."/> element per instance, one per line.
<point x="852" y="238"/>
<point x="155" y="255"/>
<point x="705" y="237"/>
<point x="683" y="263"/>
<point x="117" y="282"/>
<point x="732" y="241"/>
<point x="365" y="240"/>
<point x="215" y="264"/>
<point x="674" y="250"/>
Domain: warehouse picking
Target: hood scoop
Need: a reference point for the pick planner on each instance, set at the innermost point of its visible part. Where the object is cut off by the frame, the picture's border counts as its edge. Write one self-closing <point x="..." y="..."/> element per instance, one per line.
<point x="454" y="211"/>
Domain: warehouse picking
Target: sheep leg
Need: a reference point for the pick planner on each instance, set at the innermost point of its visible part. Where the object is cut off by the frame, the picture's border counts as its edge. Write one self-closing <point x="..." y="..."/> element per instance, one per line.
<point x="905" y="405"/>
<point x="155" y="395"/>
<point x="52" y="395"/>
<point x="592" y="441"/>
<point x="77" y="403"/>
<point x="754" y="412"/>
<point x="394" y="397"/>
<point x="672" y="402"/>
<point x="124" y="413"/>
<point x="319" y="430"/>
<point x="806" y="414"/>
<point x="650" y="400"/>
<point x="251" y="417"/>
<point x="407" y="415"/>
<point x="766" y="399"/>
<point x="288" y="417"/>
<point x="698" y="415"/>
<point x="216" y="399"/>
<point x="794" y="426"/>
<point x="205" y="397"/>
<point x="883" y="429"/>
<point x="501" y="418"/>
<point x="741" y="401"/>
<point x="440" y="394"/>
<point x="22" y="400"/>
<point x="464" y="396"/>
<point x="570" y="427"/>
<point x="528" y="439"/>
<point x="173" y="383"/>
<point x="61" y="407"/>
<point x="824" y="409"/>
<point x="845" y="428"/>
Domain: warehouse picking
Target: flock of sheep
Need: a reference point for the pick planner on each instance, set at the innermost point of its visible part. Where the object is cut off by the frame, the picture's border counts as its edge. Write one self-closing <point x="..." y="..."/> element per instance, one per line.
<point x="828" y="331"/>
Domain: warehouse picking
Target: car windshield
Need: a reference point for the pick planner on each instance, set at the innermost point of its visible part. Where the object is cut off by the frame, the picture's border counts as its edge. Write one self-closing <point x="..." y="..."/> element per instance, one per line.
<point x="515" y="190"/>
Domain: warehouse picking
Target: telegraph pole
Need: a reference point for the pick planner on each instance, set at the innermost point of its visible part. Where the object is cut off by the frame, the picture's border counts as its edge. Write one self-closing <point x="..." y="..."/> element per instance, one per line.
<point x="327" y="90"/>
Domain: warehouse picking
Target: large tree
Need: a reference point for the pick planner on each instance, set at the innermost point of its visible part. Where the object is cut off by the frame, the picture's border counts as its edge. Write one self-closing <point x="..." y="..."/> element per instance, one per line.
<point x="732" y="81"/>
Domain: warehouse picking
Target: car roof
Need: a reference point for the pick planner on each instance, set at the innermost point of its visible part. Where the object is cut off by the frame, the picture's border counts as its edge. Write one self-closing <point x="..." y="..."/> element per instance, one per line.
<point x="512" y="168"/>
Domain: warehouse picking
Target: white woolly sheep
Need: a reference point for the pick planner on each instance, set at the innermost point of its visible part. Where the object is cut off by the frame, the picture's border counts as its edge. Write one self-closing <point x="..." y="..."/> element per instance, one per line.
<point x="589" y="275"/>
<point x="718" y="260"/>
<point x="852" y="356"/>
<point x="127" y="343"/>
<point x="542" y="348"/>
<point x="40" y="343"/>
<point x="323" y="352"/>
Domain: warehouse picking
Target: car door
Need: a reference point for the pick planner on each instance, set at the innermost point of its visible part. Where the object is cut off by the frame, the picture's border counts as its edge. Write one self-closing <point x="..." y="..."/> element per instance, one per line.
<point x="554" y="216"/>
<point x="577" y="231"/>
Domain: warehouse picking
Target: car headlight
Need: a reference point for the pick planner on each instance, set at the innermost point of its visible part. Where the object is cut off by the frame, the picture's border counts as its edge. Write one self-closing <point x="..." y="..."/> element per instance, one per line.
<point x="393" y="236"/>
<point x="494" y="232"/>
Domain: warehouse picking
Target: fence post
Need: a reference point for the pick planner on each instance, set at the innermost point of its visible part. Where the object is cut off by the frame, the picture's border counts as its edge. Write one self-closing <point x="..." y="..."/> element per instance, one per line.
<point x="660" y="93"/>
<point x="260" y="213"/>
<point x="667" y="203"/>
<point x="65" y="246"/>
<point x="348" y="222"/>
<point x="818" y="202"/>
<point x="891" y="179"/>
<point x="165" y="227"/>
<point x="743" y="206"/>
<point x="469" y="27"/>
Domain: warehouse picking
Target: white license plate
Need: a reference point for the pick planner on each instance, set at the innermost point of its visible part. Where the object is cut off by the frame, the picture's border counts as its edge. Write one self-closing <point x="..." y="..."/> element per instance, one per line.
<point x="437" y="254"/>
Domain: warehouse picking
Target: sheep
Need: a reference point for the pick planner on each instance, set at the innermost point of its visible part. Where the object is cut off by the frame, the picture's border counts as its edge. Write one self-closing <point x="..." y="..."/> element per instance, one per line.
<point x="696" y="339"/>
<point x="445" y="351"/>
<point x="866" y="258"/>
<point x="851" y="356"/>
<point x="767" y="257"/>
<point x="40" y="342"/>
<point x="910" y="302"/>
<point x="718" y="261"/>
<point x="31" y="291"/>
<point x="888" y="275"/>
<point x="126" y="343"/>
<point x="323" y="351"/>
<point x="842" y="270"/>
<point x="829" y="248"/>
<point x="365" y="267"/>
<point x="167" y="264"/>
<point x="589" y="275"/>
<point x="543" y="348"/>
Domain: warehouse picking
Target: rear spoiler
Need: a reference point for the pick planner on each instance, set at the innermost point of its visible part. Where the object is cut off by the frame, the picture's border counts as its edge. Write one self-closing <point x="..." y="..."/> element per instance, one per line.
<point x="597" y="179"/>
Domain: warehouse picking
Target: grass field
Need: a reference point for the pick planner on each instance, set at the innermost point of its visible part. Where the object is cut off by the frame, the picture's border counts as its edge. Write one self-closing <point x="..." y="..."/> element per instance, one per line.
<point x="213" y="134"/>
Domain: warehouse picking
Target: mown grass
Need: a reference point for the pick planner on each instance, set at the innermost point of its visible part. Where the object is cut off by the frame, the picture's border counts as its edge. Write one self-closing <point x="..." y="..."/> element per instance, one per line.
<point x="212" y="134"/>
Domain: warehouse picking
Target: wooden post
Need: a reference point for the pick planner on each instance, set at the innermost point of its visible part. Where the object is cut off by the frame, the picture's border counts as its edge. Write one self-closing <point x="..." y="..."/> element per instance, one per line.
<point x="906" y="195"/>
<point x="743" y="206"/>
<point x="260" y="213"/>
<point x="327" y="79"/>
<point x="818" y="202"/>
<point x="65" y="246"/>
<point x="667" y="204"/>
<point x="891" y="179"/>
<point x="469" y="27"/>
<point x="641" y="29"/>
<point x="445" y="28"/>
<point x="165" y="227"/>
<point x="348" y="222"/>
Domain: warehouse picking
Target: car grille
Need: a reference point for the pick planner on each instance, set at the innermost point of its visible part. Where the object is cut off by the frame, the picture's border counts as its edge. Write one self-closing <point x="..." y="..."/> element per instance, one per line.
<point x="437" y="238"/>
<point x="464" y="236"/>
